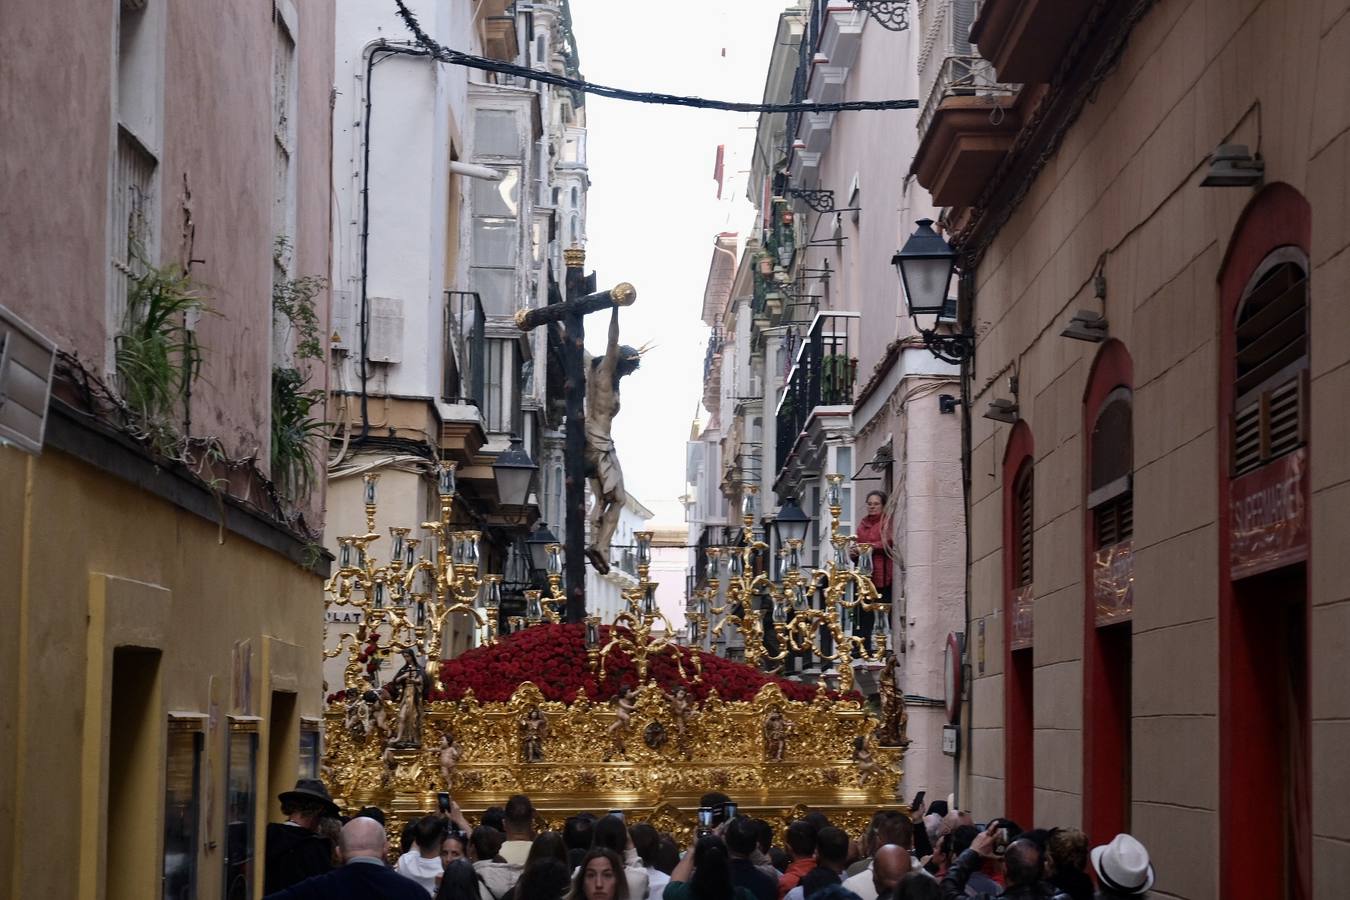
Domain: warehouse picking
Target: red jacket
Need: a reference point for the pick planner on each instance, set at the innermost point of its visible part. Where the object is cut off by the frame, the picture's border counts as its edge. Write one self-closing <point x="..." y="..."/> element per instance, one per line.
<point x="876" y="530"/>
<point x="788" y="880"/>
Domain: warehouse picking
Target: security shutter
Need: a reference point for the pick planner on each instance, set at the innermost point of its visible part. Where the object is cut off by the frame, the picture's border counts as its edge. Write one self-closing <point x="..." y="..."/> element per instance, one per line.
<point x="26" y="361"/>
<point x="1270" y="412"/>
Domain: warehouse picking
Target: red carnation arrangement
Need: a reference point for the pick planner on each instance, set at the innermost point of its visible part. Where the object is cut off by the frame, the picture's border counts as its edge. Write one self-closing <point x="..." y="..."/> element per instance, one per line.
<point x="554" y="658"/>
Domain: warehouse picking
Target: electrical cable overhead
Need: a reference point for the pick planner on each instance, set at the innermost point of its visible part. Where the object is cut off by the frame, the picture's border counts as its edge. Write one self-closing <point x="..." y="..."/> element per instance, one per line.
<point x="459" y="58"/>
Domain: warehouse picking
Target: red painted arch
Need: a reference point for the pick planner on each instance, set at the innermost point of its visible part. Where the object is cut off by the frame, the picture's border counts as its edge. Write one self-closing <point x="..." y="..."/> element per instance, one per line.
<point x="1249" y="751"/>
<point x="1106" y="689"/>
<point x="1018" y="734"/>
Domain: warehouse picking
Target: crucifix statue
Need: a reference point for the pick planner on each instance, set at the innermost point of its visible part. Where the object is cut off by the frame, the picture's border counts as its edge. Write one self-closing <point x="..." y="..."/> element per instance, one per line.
<point x="589" y="448"/>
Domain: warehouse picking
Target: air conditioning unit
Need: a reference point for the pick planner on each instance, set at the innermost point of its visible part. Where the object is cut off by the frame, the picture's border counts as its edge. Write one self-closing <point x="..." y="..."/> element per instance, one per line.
<point x="26" y="361"/>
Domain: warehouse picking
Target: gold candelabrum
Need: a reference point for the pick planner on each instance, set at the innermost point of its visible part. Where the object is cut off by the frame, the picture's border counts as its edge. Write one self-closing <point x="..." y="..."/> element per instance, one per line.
<point x="798" y="624"/>
<point x="406" y="601"/>
<point x="640" y="618"/>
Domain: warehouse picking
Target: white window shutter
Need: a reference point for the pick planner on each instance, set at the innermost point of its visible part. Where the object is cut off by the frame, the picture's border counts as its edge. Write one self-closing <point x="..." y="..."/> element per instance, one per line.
<point x="26" y="362"/>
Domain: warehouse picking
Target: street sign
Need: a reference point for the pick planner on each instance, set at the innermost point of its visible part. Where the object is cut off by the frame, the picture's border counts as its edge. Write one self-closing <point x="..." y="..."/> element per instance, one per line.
<point x="951" y="677"/>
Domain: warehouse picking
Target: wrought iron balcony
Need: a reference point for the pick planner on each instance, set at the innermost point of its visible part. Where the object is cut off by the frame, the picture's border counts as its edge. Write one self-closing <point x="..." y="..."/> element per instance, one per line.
<point x="824" y="373"/>
<point x="964" y="76"/>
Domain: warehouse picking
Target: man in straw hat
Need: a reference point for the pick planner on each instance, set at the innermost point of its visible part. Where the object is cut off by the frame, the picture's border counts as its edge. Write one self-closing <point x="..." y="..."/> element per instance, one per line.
<point x="295" y="849"/>
<point x="1122" y="867"/>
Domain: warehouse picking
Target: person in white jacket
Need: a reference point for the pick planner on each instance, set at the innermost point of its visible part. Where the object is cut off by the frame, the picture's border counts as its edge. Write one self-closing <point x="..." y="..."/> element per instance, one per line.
<point x="422" y="863"/>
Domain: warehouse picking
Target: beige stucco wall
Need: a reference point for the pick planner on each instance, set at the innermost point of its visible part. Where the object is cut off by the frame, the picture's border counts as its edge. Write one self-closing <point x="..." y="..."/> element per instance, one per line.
<point x="89" y="563"/>
<point x="1271" y="75"/>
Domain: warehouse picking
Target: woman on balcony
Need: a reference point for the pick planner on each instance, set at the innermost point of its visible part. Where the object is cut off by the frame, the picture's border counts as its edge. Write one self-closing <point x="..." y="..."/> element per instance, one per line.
<point x="875" y="529"/>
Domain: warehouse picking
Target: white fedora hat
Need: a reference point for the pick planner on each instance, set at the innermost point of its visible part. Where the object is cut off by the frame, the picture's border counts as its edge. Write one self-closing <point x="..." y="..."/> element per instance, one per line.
<point x="1123" y="865"/>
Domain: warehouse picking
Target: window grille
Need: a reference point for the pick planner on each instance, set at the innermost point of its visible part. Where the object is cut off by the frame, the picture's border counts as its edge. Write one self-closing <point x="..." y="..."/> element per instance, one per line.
<point x="1270" y="414"/>
<point x="1023" y="524"/>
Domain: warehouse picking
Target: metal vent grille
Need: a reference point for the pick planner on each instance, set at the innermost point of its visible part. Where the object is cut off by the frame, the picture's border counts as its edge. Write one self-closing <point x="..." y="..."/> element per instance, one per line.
<point x="1025" y="524"/>
<point x="1115" y="520"/>
<point x="1269" y="418"/>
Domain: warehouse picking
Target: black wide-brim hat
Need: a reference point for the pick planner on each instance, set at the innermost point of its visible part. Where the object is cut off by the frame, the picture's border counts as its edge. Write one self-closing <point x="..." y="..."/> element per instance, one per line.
<point x="308" y="790"/>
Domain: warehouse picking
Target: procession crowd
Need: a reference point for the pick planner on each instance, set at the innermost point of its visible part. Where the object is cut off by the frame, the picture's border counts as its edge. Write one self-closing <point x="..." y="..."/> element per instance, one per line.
<point x="940" y="855"/>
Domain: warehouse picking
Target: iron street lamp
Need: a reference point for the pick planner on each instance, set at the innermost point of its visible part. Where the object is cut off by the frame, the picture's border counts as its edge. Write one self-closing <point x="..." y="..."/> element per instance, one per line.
<point x="791" y="523"/>
<point x="925" y="266"/>
<point x="515" y="472"/>
<point x="538" y="543"/>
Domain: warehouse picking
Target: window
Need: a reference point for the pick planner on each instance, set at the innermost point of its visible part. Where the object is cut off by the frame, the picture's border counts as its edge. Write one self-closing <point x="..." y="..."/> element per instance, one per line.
<point x="496" y="133"/>
<point x="309" y="748"/>
<point x="1112" y="497"/>
<point x="496" y="241"/>
<point x="502" y="413"/>
<point x="182" y="807"/>
<point x="1270" y="389"/>
<point x="241" y="772"/>
<point x="138" y="122"/>
<point x="284" y="101"/>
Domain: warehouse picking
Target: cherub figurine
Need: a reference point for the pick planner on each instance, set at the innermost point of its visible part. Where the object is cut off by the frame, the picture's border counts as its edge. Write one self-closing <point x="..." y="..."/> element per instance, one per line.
<point x="625" y="704"/>
<point x="862" y="758"/>
<point x="775" y="736"/>
<point x="533" y="729"/>
<point x="450" y="754"/>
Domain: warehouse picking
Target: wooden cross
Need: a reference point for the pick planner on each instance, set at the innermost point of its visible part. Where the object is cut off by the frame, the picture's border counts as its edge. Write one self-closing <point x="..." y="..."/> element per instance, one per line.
<point x="581" y="299"/>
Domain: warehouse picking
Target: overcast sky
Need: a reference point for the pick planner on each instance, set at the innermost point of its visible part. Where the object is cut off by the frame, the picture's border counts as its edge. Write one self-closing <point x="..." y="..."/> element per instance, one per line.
<point x="653" y="209"/>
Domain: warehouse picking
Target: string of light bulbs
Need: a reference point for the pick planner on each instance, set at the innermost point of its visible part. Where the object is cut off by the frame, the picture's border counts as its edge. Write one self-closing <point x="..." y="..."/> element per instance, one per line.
<point x="459" y="58"/>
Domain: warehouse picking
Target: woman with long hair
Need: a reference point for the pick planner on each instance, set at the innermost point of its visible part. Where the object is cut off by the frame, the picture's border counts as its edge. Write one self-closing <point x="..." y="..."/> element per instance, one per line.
<point x="547" y="848"/>
<point x="612" y="834"/>
<point x="547" y="879"/>
<point x="875" y="530"/>
<point x="600" y="877"/>
<point x="705" y="874"/>
<point x="459" y="882"/>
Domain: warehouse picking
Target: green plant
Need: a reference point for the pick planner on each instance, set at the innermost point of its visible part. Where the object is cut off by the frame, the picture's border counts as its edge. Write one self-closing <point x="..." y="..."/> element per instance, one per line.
<point x="156" y="354"/>
<point x="296" y="432"/>
<point x="293" y="300"/>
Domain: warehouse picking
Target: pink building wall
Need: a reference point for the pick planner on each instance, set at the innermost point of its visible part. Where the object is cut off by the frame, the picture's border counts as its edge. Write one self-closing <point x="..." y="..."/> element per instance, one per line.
<point x="56" y="116"/>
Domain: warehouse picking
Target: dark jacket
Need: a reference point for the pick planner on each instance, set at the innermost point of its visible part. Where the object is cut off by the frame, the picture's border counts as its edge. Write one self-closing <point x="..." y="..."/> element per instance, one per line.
<point x="292" y="855"/>
<point x="819" y="878"/>
<point x="969" y="862"/>
<point x="745" y="874"/>
<point x="1074" y="882"/>
<point x="357" y="880"/>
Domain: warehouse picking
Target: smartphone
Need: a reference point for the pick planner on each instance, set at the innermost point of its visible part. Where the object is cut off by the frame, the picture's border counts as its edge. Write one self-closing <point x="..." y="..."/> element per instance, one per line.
<point x="916" y="805"/>
<point x="729" y="811"/>
<point x="443" y="801"/>
<point x="617" y="813"/>
<point x="705" y="816"/>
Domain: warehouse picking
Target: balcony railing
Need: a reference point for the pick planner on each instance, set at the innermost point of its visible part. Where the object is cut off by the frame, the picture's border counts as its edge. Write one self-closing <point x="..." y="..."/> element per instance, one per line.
<point x="824" y="374"/>
<point x="963" y="76"/>
<point x="465" y="340"/>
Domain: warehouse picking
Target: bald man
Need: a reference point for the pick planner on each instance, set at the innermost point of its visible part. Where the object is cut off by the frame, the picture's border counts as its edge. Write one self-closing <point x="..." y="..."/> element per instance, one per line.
<point x="364" y="874"/>
<point x="889" y="865"/>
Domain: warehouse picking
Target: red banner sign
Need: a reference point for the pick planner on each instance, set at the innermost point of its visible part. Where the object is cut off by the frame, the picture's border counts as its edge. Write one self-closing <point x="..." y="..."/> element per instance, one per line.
<point x="1268" y="516"/>
<point x="1113" y="582"/>
<point x="1021" y="632"/>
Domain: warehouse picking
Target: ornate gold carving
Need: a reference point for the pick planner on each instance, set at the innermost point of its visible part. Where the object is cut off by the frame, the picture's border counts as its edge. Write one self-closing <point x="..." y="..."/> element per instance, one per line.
<point x="623" y="294"/>
<point x="574" y="257"/>
<point x="819" y="766"/>
<point x="521" y="317"/>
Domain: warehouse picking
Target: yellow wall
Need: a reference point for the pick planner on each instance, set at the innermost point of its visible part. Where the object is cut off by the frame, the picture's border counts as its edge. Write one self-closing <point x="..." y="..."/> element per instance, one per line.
<point x="89" y="563"/>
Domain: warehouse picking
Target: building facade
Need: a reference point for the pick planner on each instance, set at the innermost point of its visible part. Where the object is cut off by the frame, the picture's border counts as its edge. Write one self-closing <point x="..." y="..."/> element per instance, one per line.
<point x="812" y="368"/>
<point x="1159" y="604"/>
<point x="457" y="190"/>
<point x="162" y="579"/>
<point x="605" y="593"/>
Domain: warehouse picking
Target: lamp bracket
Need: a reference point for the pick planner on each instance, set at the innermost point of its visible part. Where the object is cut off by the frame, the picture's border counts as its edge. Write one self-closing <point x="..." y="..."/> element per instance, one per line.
<point x="893" y="15"/>
<point x="950" y="347"/>
<point x="820" y="200"/>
